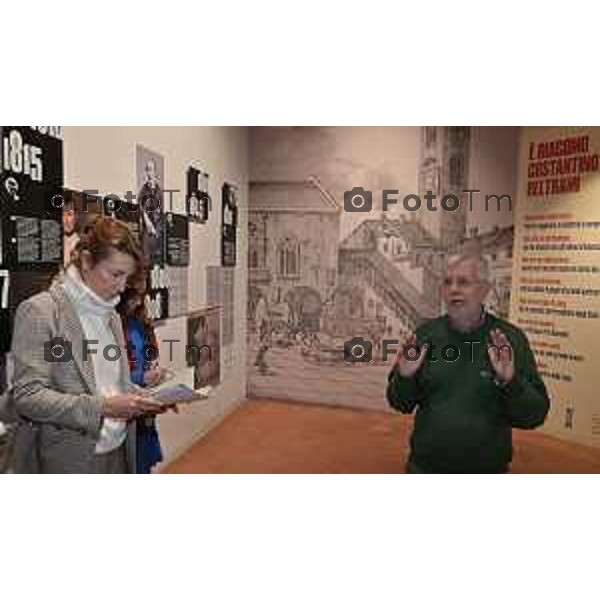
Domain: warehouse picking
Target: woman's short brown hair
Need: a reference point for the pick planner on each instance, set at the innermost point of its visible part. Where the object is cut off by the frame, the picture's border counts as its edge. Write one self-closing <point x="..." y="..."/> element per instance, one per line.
<point x="100" y="236"/>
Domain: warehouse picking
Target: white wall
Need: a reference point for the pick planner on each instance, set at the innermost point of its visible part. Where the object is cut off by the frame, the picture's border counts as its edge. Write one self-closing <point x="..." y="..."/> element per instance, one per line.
<point x="493" y="170"/>
<point x="103" y="158"/>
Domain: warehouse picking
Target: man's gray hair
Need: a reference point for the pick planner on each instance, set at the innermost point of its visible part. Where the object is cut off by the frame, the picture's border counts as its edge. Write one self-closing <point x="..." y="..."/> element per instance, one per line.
<point x="481" y="260"/>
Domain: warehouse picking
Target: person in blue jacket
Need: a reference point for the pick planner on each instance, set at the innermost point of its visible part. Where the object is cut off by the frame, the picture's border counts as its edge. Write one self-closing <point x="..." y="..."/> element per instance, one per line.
<point x="144" y="368"/>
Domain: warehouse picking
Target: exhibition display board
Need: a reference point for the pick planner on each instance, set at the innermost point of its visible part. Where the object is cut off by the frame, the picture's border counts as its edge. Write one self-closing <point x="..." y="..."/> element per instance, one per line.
<point x="555" y="294"/>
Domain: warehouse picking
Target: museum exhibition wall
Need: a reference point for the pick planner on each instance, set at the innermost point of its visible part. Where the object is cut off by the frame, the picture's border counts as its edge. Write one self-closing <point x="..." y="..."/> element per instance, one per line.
<point x="324" y="271"/>
<point x="196" y="241"/>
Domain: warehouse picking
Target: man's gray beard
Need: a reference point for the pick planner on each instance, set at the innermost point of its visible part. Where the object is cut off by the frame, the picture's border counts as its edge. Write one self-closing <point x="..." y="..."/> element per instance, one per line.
<point x="467" y="323"/>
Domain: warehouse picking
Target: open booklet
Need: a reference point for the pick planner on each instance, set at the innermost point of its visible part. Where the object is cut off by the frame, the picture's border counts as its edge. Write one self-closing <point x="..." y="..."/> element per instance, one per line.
<point x="178" y="393"/>
<point x="164" y="376"/>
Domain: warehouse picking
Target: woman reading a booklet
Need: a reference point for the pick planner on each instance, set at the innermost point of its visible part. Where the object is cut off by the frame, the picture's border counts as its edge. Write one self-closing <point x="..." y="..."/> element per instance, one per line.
<point x="75" y="406"/>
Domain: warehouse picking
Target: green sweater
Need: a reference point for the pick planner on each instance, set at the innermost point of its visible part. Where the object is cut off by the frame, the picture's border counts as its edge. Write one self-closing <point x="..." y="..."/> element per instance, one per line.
<point x="464" y="417"/>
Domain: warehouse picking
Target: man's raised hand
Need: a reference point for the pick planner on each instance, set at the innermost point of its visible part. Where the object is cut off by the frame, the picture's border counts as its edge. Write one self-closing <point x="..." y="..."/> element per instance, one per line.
<point x="410" y="356"/>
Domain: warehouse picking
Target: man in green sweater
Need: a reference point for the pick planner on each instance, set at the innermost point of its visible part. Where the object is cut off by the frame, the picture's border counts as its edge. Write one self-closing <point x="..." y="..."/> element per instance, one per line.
<point x="471" y="377"/>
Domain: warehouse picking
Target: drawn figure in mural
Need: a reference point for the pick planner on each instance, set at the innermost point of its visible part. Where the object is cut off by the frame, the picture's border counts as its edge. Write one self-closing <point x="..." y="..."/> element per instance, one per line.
<point x="263" y="328"/>
<point x="569" y="418"/>
<point x="376" y="334"/>
<point x="151" y="201"/>
<point x="471" y="376"/>
<point x="286" y="314"/>
<point x="281" y="329"/>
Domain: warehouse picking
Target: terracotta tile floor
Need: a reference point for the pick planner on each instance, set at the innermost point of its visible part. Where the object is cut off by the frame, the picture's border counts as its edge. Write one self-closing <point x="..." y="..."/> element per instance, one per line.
<point x="265" y="436"/>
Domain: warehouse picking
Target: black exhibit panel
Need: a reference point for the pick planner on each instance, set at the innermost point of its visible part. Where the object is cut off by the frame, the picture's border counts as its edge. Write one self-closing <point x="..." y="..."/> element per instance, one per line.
<point x="198" y="202"/>
<point x="178" y="240"/>
<point x="229" y="214"/>
<point x="31" y="231"/>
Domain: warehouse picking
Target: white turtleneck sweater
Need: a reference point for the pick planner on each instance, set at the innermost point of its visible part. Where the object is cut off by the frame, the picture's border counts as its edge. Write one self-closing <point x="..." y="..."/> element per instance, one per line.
<point x="94" y="314"/>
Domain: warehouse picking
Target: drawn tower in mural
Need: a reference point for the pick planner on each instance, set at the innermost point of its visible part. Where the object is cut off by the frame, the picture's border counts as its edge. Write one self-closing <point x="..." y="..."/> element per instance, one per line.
<point x="444" y="169"/>
<point x="390" y="266"/>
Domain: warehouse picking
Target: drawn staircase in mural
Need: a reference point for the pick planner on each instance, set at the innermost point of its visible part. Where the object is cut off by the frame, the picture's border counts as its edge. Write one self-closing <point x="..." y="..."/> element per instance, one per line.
<point x="372" y="268"/>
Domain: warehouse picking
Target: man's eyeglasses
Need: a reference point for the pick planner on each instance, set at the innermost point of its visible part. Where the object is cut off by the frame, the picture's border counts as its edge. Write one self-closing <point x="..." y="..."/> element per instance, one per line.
<point x="460" y="282"/>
